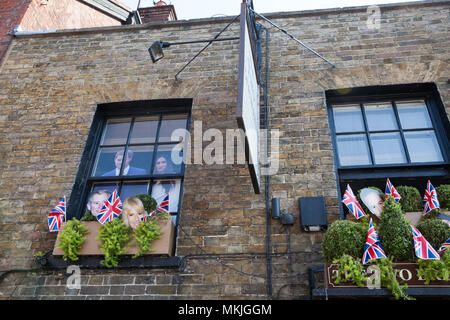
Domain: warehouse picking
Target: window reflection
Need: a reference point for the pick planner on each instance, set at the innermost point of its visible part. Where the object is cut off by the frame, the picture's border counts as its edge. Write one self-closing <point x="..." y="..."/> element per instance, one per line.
<point x="131" y="189"/>
<point x="170" y="123"/>
<point x="387" y="148"/>
<point x="172" y="187"/>
<point x="380" y="117"/>
<point x="144" y="130"/>
<point x="423" y="146"/>
<point x="116" y="132"/>
<point x="353" y="149"/>
<point x="348" y="118"/>
<point x="414" y="115"/>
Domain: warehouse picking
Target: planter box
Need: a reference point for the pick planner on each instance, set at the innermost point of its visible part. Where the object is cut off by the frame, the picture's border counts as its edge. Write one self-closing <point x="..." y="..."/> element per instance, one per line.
<point x="162" y="246"/>
<point x="406" y="274"/>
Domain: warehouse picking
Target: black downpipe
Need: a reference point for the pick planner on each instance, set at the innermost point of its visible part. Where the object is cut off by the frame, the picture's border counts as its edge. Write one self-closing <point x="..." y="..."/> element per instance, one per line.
<point x="267" y="177"/>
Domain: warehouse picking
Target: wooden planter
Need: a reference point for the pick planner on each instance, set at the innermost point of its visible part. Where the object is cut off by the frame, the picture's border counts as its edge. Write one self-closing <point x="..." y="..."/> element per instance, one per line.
<point x="406" y="274"/>
<point x="162" y="246"/>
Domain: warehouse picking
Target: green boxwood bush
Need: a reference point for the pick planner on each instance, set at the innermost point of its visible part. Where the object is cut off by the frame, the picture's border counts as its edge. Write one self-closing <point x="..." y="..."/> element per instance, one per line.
<point x="411" y="200"/>
<point x="395" y="232"/>
<point x="443" y="192"/>
<point x="148" y="202"/>
<point x="435" y="231"/>
<point x="344" y="237"/>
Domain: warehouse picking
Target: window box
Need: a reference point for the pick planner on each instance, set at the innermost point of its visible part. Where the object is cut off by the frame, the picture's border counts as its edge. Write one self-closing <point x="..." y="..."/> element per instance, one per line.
<point x="406" y="274"/>
<point x="162" y="246"/>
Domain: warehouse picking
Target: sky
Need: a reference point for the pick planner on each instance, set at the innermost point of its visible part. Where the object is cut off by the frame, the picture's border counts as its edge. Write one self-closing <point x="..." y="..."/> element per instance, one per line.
<point x="193" y="9"/>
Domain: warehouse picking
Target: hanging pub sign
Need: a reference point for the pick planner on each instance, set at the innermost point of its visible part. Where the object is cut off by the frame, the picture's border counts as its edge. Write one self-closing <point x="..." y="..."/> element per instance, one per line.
<point x="248" y="108"/>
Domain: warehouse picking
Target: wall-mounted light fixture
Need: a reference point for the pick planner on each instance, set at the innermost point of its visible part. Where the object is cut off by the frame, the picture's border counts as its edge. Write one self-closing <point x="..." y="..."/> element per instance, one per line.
<point x="285" y="218"/>
<point x="312" y="213"/>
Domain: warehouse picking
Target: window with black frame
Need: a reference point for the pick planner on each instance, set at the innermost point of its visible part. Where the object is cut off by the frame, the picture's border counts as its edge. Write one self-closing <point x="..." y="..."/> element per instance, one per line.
<point x="385" y="133"/>
<point x="130" y="149"/>
<point x="400" y="132"/>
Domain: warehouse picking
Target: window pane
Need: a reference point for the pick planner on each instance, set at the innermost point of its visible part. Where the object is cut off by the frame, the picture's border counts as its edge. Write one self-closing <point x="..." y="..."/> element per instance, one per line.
<point x="144" y="130"/>
<point x="414" y="115"/>
<point x="387" y="148"/>
<point x="163" y="160"/>
<point x="353" y="149"/>
<point x="423" y="146"/>
<point x="348" y="119"/>
<point x="130" y="189"/>
<point x="140" y="160"/>
<point x="161" y="187"/>
<point x="106" y="162"/>
<point x="116" y="132"/>
<point x="169" y="124"/>
<point x="380" y="116"/>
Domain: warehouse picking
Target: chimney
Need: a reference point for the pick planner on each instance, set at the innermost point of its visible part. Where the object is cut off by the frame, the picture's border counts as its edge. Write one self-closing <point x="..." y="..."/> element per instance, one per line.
<point x="159" y="13"/>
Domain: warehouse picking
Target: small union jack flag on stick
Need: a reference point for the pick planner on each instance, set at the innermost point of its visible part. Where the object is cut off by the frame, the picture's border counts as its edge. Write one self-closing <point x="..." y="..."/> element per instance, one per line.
<point x="57" y="216"/>
<point x="352" y="203"/>
<point x="372" y="249"/>
<point x="391" y="191"/>
<point x="422" y="247"/>
<point x="111" y="209"/>
<point x="430" y="199"/>
<point x="163" y="207"/>
<point x="444" y="247"/>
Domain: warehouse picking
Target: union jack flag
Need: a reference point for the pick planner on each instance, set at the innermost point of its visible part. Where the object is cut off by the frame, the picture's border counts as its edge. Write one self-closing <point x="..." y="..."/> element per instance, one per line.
<point x="352" y="203"/>
<point x="423" y="249"/>
<point x="111" y="209"/>
<point x="444" y="247"/>
<point x="57" y="216"/>
<point x="430" y="199"/>
<point x="163" y="207"/>
<point x="372" y="249"/>
<point x="391" y="191"/>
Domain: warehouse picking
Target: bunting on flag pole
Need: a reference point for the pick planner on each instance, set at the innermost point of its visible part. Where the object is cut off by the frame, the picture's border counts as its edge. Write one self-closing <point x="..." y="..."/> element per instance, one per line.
<point x="352" y="203"/>
<point x="372" y="249"/>
<point x="391" y="191"/>
<point x="422" y="247"/>
<point x="430" y="199"/>
<point x="57" y="216"/>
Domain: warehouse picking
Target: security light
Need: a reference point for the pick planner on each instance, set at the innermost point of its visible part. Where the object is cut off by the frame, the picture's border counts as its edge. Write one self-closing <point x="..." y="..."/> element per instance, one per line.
<point x="156" y="50"/>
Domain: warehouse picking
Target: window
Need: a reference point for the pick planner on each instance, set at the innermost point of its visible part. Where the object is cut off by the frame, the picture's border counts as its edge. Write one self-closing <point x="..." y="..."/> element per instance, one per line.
<point x="399" y="132"/>
<point x="130" y="149"/>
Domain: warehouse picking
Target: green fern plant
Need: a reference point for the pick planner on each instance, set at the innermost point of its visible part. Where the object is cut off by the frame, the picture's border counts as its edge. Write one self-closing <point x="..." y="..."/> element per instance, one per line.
<point x="434" y="269"/>
<point x="350" y="269"/>
<point x="72" y="238"/>
<point x="145" y="234"/>
<point x="113" y="236"/>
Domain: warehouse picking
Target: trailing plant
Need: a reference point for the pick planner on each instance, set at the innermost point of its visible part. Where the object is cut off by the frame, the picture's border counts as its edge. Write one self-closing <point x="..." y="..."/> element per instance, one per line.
<point x="350" y="269"/>
<point x="435" y="231"/>
<point x="388" y="279"/>
<point x="395" y="232"/>
<point x="367" y="210"/>
<point x="148" y="202"/>
<point x="145" y="233"/>
<point x="434" y="269"/>
<point x="344" y="237"/>
<point x="72" y="238"/>
<point x="411" y="200"/>
<point x="113" y="236"/>
<point x="443" y="193"/>
<point x="88" y="216"/>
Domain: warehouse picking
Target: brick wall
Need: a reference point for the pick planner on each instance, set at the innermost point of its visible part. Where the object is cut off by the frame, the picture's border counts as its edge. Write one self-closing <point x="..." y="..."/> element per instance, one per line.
<point x="50" y="86"/>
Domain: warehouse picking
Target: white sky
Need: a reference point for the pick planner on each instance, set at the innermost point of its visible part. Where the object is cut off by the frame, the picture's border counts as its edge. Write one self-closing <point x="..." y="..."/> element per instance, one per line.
<point x="192" y="9"/>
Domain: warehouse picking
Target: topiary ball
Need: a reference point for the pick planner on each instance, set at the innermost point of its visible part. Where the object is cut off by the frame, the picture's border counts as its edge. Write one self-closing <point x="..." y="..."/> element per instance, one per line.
<point x="443" y="193"/>
<point x="344" y="237"/>
<point x="395" y="232"/>
<point x="148" y="202"/>
<point x="411" y="200"/>
<point x="435" y="231"/>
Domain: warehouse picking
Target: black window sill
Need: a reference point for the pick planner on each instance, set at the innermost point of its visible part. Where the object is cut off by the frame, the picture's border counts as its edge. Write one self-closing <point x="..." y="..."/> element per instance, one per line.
<point x="126" y="261"/>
